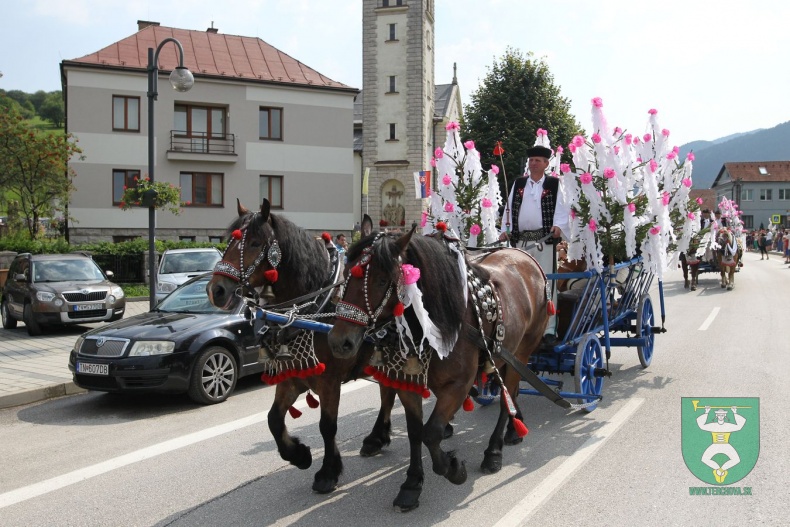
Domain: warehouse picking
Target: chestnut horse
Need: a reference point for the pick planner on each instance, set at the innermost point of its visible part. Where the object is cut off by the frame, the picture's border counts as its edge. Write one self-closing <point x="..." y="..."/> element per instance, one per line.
<point x="374" y="295"/>
<point x="728" y="256"/>
<point x="272" y="260"/>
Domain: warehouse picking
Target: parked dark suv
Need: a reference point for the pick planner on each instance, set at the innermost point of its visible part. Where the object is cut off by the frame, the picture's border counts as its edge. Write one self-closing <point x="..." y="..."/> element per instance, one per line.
<point x="58" y="289"/>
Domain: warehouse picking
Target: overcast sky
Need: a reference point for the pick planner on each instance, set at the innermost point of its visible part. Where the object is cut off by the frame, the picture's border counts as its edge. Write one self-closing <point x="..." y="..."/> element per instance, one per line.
<point x="710" y="67"/>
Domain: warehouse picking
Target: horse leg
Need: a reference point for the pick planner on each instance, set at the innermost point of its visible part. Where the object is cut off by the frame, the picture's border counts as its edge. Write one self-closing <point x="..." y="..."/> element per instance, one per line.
<point x="379" y="437"/>
<point x="409" y="496"/>
<point x="445" y="463"/>
<point x="685" y="268"/>
<point x="326" y="478"/>
<point x="731" y="283"/>
<point x="290" y="448"/>
<point x="492" y="460"/>
<point x="694" y="276"/>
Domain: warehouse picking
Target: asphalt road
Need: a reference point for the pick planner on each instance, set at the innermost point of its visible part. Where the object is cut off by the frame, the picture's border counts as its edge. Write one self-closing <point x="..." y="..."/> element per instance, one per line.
<point x="97" y="459"/>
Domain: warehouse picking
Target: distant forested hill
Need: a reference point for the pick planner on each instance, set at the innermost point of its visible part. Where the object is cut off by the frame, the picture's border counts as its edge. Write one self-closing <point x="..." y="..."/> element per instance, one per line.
<point x="771" y="144"/>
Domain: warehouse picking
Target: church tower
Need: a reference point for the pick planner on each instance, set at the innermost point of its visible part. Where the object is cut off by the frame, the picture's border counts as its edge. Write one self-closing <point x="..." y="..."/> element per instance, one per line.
<point x="398" y="105"/>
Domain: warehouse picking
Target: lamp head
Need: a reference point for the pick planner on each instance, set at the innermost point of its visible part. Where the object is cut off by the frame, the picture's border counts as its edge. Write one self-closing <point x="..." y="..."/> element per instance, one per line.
<point x="181" y="79"/>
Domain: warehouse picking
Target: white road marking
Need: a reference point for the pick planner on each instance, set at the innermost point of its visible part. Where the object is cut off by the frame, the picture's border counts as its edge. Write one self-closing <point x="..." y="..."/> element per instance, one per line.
<point x="519" y="514"/>
<point x="70" y="478"/>
<point x="708" y="321"/>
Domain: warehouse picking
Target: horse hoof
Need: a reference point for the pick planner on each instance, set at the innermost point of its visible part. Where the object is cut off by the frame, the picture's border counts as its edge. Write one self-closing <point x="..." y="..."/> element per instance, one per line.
<point x="448" y="431"/>
<point x="512" y="438"/>
<point x="324" y="486"/>
<point x="492" y="463"/>
<point x="693" y="288"/>
<point x="686" y="285"/>
<point x="457" y="472"/>
<point x="408" y="498"/>
<point x="373" y="446"/>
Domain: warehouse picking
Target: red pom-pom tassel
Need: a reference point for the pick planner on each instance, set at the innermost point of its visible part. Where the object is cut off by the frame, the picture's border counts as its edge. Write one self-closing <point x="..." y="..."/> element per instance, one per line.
<point x="369" y="370"/>
<point x="326" y="236"/>
<point x="520" y="427"/>
<point x="312" y="402"/>
<point x="550" y="309"/>
<point x="426" y="393"/>
<point x="398" y="309"/>
<point x="236" y="235"/>
<point x="321" y="368"/>
<point x="357" y="271"/>
<point x="483" y="378"/>
<point x="271" y="275"/>
<point x="468" y="404"/>
<point x="296" y="414"/>
<point x="441" y="226"/>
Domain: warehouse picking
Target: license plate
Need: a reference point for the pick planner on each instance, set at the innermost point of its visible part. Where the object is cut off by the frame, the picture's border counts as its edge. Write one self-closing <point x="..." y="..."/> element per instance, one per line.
<point x="88" y="307"/>
<point x="93" y="369"/>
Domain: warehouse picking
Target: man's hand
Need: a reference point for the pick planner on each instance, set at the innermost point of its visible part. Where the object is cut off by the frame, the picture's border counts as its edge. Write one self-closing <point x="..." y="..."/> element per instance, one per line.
<point x="707" y="410"/>
<point x="734" y="410"/>
<point x="556" y="232"/>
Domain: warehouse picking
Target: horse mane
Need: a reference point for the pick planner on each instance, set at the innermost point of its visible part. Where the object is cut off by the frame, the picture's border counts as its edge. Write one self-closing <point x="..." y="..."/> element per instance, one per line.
<point x="302" y="254"/>
<point x="440" y="278"/>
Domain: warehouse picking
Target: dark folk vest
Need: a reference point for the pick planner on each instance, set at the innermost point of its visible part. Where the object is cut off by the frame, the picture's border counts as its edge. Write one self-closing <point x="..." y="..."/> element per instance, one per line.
<point x="548" y="202"/>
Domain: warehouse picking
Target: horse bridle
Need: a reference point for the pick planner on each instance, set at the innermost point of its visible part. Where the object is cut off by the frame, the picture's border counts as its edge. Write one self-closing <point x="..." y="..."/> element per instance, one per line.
<point x="356" y="315"/>
<point x="271" y="253"/>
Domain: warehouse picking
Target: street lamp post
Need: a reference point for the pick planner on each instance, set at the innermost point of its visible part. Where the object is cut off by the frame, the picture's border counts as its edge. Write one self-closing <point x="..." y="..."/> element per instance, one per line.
<point x="182" y="80"/>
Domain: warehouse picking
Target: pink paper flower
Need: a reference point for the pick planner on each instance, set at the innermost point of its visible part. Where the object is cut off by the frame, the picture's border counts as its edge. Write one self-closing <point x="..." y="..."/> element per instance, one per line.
<point x="410" y="274"/>
<point x="449" y="207"/>
<point x="608" y="173"/>
<point x="632" y="207"/>
<point x="592" y="225"/>
<point x="474" y="230"/>
<point x="597" y="102"/>
<point x="617" y="130"/>
<point x="676" y="149"/>
<point x="671" y="155"/>
<point x="691" y="215"/>
<point x="586" y="178"/>
<point x="665" y="198"/>
<point x="616" y="149"/>
<point x="647" y="137"/>
<point x="573" y="214"/>
<point x="655" y="230"/>
<point x="559" y="151"/>
<point x="687" y="182"/>
<point x="565" y="168"/>
<point x="495" y="169"/>
<point x="423" y="219"/>
<point x="541" y="132"/>
<point x="469" y="145"/>
<point x="446" y="180"/>
<point x="699" y="201"/>
<point x="433" y="162"/>
<point x="486" y="203"/>
<point x="578" y="140"/>
<point x="653" y="165"/>
<point x="690" y="156"/>
<point x="652" y="111"/>
<point x="637" y="140"/>
<point x="452" y="125"/>
<point x="665" y="132"/>
<point x="596" y="138"/>
<point x="438" y="153"/>
<point x="628" y="139"/>
<point x="572" y="148"/>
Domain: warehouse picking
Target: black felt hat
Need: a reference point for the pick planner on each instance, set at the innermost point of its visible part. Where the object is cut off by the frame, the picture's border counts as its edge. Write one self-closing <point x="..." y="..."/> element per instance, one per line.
<point x="539" y="151"/>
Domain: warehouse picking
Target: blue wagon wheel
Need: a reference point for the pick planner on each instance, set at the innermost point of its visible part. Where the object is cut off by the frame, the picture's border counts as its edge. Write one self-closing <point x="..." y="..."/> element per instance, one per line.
<point x="645" y="320"/>
<point x="589" y="356"/>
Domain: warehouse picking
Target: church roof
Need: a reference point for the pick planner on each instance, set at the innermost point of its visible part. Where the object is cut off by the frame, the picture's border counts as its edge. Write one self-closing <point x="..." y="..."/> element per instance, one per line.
<point x="207" y="53"/>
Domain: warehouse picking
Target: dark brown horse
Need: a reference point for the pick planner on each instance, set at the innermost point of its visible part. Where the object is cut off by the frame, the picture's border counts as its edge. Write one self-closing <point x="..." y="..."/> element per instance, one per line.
<point x="273" y="261"/>
<point x="509" y="310"/>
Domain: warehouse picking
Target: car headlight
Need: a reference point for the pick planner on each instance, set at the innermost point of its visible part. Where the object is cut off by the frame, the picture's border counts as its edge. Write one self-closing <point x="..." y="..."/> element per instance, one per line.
<point x="165" y="287"/>
<point x="43" y="296"/>
<point x="117" y="292"/>
<point x="146" y="348"/>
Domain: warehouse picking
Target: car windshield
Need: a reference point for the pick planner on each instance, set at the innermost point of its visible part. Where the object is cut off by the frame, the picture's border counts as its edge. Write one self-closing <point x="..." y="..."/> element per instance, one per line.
<point x="189" y="298"/>
<point x="191" y="262"/>
<point x="66" y="271"/>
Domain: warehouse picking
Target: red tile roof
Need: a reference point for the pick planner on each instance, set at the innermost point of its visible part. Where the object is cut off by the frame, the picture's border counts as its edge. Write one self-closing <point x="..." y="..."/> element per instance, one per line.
<point x="749" y="171"/>
<point x="208" y="53"/>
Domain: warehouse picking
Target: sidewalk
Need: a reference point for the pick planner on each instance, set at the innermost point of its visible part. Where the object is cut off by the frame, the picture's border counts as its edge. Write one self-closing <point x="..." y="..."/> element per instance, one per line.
<point x="33" y="369"/>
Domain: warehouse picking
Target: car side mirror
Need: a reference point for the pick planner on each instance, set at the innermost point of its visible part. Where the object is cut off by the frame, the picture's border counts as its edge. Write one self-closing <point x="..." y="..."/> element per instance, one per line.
<point x="109" y="273"/>
<point x="20" y="277"/>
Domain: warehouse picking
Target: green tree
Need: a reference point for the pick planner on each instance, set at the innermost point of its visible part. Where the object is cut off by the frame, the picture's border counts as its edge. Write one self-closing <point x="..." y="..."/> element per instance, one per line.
<point x="37" y="99"/>
<point x="23" y="99"/>
<point x="52" y="109"/>
<point x="515" y="99"/>
<point x="34" y="169"/>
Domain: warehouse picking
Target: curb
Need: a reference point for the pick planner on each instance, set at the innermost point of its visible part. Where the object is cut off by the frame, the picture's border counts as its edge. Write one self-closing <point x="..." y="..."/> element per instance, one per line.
<point x="40" y="394"/>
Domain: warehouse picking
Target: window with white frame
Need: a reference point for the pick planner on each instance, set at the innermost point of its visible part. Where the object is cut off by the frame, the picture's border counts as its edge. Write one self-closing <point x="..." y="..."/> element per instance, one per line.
<point x="747" y="194"/>
<point x="784" y="194"/>
<point x="765" y="194"/>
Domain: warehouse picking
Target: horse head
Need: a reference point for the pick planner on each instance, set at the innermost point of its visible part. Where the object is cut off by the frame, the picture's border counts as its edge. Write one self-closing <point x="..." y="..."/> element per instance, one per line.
<point x="267" y="258"/>
<point x="371" y="290"/>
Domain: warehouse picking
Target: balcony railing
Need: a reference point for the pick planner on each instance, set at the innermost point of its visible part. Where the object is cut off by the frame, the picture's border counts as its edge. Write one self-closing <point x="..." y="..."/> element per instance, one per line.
<point x="202" y="142"/>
